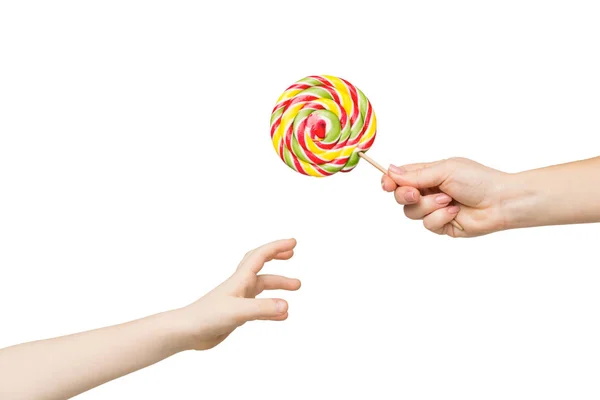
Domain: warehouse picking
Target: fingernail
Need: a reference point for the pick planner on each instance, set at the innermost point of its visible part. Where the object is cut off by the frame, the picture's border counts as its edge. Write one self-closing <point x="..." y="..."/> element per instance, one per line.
<point x="396" y="170"/>
<point x="443" y="199"/>
<point x="410" y="196"/>
<point x="280" y="306"/>
<point x="454" y="209"/>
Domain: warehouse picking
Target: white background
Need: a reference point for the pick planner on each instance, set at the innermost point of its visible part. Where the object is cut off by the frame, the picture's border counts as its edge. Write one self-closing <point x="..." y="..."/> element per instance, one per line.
<point x="136" y="169"/>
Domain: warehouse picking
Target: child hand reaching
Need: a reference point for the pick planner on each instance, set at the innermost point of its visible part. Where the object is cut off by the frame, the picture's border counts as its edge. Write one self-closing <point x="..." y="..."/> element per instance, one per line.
<point x="209" y="320"/>
<point x="64" y="367"/>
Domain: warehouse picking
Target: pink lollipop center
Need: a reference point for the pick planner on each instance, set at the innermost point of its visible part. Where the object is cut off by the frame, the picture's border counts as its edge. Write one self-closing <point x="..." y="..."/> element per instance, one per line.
<point x="317" y="129"/>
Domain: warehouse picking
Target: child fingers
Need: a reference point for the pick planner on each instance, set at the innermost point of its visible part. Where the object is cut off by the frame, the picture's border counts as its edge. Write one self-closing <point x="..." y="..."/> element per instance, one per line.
<point x="255" y="259"/>
<point x="268" y="251"/>
<point x="286" y="255"/>
<point x="277" y="282"/>
<point x="281" y="317"/>
<point x="427" y="205"/>
<point x="254" y="309"/>
<point x="437" y="220"/>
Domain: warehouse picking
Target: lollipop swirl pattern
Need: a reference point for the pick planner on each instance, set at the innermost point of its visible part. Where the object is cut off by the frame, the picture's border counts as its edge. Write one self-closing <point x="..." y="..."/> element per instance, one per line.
<point x="320" y="124"/>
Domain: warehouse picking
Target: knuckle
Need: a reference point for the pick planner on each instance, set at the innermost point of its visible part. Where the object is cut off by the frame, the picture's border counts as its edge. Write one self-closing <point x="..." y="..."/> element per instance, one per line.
<point x="267" y="306"/>
<point x="454" y="162"/>
<point x="420" y="176"/>
<point x="450" y="232"/>
<point x="260" y="307"/>
<point x="260" y="287"/>
<point x="409" y="212"/>
<point x="427" y="223"/>
<point x="399" y="196"/>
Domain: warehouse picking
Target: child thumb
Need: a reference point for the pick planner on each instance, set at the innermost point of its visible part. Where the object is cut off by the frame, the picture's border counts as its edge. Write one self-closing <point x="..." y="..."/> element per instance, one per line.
<point x="254" y="309"/>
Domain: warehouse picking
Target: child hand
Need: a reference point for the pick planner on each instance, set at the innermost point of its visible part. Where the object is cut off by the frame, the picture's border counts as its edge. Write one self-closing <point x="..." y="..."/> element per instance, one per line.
<point x="456" y="188"/>
<point x="209" y="320"/>
<point x="45" y="369"/>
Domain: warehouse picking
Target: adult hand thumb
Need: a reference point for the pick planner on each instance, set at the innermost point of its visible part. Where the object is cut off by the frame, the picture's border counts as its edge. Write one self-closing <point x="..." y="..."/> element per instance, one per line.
<point x="419" y="176"/>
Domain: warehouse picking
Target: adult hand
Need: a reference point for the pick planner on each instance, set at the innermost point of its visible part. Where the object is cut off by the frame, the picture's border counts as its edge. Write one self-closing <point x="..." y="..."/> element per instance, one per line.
<point x="456" y="188"/>
<point x="484" y="200"/>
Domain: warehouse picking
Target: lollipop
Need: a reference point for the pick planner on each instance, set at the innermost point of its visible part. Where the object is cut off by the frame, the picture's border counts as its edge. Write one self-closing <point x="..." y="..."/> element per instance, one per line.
<point x="322" y="125"/>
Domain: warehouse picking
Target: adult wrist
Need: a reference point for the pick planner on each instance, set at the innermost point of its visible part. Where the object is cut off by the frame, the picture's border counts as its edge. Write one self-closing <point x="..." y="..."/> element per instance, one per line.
<point x="519" y="200"/>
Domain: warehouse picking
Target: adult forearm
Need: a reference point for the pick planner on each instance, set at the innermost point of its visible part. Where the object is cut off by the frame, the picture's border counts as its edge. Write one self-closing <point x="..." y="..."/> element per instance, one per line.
<point x="63" y="367"/>
<point x="561" y="194"/>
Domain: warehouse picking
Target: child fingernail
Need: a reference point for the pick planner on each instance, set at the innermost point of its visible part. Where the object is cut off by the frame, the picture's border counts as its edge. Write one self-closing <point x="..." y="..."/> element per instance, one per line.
<point x="280" y="306"/>
<point x="396" y="170"/>
<point x="443" y="199"/>
<point x="454" y="209"/>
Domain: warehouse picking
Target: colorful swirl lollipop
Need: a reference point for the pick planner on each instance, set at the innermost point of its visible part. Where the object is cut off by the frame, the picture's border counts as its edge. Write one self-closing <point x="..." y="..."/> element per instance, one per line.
<point x="322" y="125"/>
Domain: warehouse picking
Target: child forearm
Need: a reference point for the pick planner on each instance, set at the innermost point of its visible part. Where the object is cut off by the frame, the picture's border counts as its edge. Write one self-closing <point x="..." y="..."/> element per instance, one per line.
<point x="561" y="194"/>
<point x="63" y="367"/>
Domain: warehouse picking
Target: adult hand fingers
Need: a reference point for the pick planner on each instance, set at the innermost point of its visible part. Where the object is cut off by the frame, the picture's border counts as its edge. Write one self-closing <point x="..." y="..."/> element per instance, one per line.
<point x="437" y="220"/>
<point x="419" y="176"/>
<point x="427" y="205"/>
<point x="406" y="195"/>
<point x="388" y="184"/>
